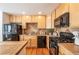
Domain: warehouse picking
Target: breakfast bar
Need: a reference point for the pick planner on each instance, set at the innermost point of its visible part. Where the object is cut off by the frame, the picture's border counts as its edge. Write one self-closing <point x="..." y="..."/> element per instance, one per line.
<point x="68" y="49"/>
<point x="12" y="47"/>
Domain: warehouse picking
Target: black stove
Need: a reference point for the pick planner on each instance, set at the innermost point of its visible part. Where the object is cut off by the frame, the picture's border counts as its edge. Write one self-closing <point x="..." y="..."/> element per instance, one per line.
<point x="66" y="37"/>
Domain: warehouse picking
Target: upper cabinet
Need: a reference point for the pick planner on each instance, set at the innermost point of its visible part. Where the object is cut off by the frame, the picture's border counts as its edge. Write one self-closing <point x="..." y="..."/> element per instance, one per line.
<point x="73" y="9"/>
<point x="15" y="19"/>
<point x="18" y="19"/>
<point x="34" y="19"/>
<point x="12" y="19"/>
<point x="62" y="8"/>
<point x="41" y="21"/>
<point x="25" y="19"/>
<point x="74" y="15"/>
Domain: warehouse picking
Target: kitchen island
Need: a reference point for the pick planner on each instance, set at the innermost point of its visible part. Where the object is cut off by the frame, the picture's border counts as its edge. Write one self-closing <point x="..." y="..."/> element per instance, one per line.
<point x="68" y="49"/>
<point x="12" y="47"/>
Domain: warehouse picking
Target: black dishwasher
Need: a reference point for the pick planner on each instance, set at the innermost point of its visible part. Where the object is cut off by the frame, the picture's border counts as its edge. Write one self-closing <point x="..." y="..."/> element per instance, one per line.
<point x="41" y="41"/>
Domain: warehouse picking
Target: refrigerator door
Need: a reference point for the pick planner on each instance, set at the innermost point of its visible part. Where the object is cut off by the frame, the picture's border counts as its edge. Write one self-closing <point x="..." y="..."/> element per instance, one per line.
<point x="14" y="29"/>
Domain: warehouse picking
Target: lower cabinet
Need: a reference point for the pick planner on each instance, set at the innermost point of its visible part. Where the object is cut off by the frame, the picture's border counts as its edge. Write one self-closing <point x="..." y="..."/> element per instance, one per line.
<point x="33" y="42"/>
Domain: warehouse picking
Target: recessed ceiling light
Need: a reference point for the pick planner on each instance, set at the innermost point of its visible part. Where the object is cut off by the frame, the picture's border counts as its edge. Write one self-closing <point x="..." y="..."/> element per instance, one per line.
<point x="23" y="12"/>
<point x="40" y="12"/>
<point x="27" y="16"/>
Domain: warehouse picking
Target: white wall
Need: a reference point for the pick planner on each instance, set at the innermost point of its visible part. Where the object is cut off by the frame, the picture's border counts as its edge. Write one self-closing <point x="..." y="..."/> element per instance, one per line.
<point x="5" y="18"/>
<point x="1" y="17"/>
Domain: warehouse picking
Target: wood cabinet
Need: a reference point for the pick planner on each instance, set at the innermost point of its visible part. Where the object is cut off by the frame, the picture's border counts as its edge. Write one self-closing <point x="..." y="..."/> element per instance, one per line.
<point x="41" y="21"/>
<point x="34" y="41"/>
<point x="47" y="41"/>
<point x="15" y="19"/>
<point x="12" y="19"/>
<point x="18" y="19"/>
<point x="62" y="9"/>
<point x="74" y="15"/>
<point x="25" y="19"/>
<point x="34" y="19"/>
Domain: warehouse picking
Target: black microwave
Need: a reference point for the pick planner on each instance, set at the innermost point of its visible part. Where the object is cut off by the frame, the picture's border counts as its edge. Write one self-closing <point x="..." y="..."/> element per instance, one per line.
<point x="62" y="21"/>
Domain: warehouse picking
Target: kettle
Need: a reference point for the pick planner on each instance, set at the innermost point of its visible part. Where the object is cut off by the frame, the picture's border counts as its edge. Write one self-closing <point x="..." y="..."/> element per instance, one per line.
<point x="76" y="37"/>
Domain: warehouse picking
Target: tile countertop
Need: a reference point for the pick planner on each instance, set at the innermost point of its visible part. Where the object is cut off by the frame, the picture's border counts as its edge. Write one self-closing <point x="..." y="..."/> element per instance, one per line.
<point x="11" y="47"/>
<point x="70" y="47"/>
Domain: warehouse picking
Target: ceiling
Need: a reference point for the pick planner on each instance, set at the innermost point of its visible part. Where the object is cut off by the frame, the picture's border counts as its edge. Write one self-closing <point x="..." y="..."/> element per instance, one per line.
<point x="28" y="8"/>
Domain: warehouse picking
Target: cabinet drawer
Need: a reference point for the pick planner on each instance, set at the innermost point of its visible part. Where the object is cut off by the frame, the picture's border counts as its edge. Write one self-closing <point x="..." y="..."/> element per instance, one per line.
<point x="33" y="42"/>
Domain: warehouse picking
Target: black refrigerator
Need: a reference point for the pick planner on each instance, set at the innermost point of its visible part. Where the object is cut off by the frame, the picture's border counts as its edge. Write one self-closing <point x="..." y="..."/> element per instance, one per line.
<point x="6" y="32"/>
<point x="11" y="32"/>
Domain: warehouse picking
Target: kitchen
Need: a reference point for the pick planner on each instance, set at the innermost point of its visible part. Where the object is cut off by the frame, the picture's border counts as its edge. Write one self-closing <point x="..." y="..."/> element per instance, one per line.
<point x="52" y="31"/>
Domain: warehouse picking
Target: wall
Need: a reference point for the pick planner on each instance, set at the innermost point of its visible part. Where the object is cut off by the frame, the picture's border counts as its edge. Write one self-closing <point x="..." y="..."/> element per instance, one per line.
<point x="53" y="18"/>
<point x="1" y="17"/>
<point x="48" y="22"/>
<point x="6" y="18"/>
<point x="74" y="15"/>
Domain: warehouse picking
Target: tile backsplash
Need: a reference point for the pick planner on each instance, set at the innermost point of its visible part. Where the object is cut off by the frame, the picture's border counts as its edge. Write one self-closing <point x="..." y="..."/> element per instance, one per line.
<point x="31" y="28"/>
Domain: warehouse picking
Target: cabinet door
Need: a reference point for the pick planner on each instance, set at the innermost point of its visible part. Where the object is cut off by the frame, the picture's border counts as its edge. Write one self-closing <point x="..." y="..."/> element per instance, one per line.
<point x="34" y="19"/>
<point x="25" y="19"/>
<point x="34" y="41"/>
<point x="12" y="18"/>
<point x="41" y="22"/>
<point x="74" y="15"/>
<point x="18" y="19"/>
